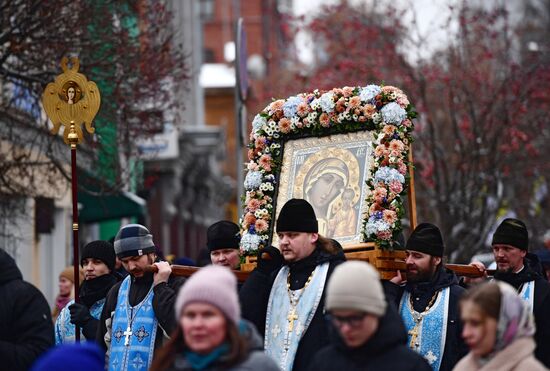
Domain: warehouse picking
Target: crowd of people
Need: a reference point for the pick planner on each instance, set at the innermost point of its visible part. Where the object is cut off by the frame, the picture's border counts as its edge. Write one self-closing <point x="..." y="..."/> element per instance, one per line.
<point x="304" y="307"/>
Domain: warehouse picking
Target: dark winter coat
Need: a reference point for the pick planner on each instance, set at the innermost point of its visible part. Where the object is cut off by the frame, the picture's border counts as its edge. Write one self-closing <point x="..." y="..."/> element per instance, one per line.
<point x="541" y="303"/>
<point x="256" y="359"/>
<point x="385" y="350"/>
<point x="254" y="297"/>
<point x="163" y="306"/>
<point x="422" y="292"/>
<point x="26" y="327"/>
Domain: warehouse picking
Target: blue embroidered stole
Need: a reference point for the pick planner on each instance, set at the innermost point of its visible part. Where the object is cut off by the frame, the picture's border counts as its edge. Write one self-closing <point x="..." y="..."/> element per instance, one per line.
<point x="427" y="331"/>
<point x="64" y="329"/>
<point x="133" y="332"/>
<point x="285" y="325"/>
<point x="527" y="293"/>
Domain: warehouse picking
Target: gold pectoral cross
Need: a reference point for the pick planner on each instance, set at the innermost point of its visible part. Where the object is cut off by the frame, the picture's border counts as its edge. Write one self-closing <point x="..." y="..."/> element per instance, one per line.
<point x="292" y="316"/>
<point x="414" y="336"/>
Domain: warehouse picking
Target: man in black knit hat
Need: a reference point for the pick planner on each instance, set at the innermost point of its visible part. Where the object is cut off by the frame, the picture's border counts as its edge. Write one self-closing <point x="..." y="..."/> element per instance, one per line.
<point x="284" y="295"/>
<point x="222" y="240"/>
<point x="98" y="263"/>
<point x="521" y="269"/>
<point x="428" y="300"/>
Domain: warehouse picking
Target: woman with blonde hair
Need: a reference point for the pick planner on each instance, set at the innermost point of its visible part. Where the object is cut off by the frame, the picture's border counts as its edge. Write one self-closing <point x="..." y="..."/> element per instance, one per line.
<point x="211" y="334"/>
<point x="498" y="328"/>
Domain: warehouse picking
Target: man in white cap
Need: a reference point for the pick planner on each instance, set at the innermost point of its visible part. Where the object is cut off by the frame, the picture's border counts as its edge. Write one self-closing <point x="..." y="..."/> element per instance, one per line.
<point x="138" y="313"/>
<point x="369" y="334"/>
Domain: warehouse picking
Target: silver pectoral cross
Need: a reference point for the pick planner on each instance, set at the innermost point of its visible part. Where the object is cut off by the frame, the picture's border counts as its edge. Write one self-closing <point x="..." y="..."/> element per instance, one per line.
<point x="127" y="334"/>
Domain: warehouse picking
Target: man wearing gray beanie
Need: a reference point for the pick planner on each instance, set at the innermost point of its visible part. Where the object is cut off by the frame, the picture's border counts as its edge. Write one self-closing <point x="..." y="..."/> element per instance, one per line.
<point x="286" y="302"/>
<point x="138" y="312"/>
<point x="428" y="301"/>
<point x="368" y="333"/>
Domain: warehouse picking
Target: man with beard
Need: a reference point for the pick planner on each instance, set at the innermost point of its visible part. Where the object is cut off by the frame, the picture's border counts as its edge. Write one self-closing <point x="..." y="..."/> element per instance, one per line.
<point x="428" y="300"/>
<point x="138" y="313"/>
<point x="286" y="303"/>
<point x="97" y="262"/>
<point x="521" y="270"/>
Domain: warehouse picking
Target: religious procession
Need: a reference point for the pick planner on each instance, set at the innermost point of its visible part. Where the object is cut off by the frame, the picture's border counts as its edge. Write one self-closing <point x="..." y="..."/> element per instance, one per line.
<point x="231" y="185"/>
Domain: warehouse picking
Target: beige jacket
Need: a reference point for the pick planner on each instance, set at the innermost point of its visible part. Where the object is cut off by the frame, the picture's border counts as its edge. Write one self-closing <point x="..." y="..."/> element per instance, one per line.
<point x="518" y="356"/>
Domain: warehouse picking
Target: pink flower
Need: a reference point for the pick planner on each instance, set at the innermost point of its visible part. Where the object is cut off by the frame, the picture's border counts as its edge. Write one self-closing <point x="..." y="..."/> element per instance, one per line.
<point x="397" y="146"/>
<point x="402" y="100"/>
<point x="340" y="105"/>
<point x="299" y="124"/>
<point x="249" y="219"/>
<point x="388" y="130"/>
<point x="379" y="194"/>
<point x="380" y="150"/>
<point x="261" y="225"/>
<point x="302" y="109"/>
<point x="384" y="235"/>
<point x="389" y="216"/>
<point x="265" y="162"/>
<point x="348" y="91"/>
<point x="402" y="168"/>
<point x="369" y="110"/>
<point x="396" y="186"/>
<point x="250" y="154"/>
<point x="253" y="205"/>
<point x="324" y="119"/>
<point x="277" y="105"/>
<point x="252" y="166"/>
<point x="407" y="123"/>
<point x="284" y="125"/>
<point x="354" y="102"/>
<point x="259" y="143"/>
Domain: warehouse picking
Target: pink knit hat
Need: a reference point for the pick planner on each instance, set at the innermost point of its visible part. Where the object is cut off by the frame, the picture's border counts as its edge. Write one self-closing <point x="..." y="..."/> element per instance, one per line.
<point x="215" y="285"/>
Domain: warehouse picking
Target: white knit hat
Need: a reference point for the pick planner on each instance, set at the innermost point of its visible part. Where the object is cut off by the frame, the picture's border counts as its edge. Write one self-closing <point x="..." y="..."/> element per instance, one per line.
<point x="355" y="285"/>
<point x="215" y="285"/>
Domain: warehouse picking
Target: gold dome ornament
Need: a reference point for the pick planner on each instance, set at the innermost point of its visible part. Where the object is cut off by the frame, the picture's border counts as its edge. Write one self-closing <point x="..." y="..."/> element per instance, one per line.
<point x="71" y="100"/>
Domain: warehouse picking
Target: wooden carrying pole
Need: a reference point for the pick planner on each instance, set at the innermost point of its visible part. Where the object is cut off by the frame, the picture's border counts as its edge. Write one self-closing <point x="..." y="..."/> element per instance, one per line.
<point x="186" y="271"/>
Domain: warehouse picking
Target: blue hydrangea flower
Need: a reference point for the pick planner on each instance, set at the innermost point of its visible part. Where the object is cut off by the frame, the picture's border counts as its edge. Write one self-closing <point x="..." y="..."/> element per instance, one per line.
<point x="253" y="180"/>
<point x="291" y="106"/>
<point x="375" y="225"/>
<point x="393" y="113"/>
<point x="327" y="102"/>
<point x="258" y="123"/>
<point x="368" y="93"/>
<point x="387" y="175"/>
<point x="250" y="242"/>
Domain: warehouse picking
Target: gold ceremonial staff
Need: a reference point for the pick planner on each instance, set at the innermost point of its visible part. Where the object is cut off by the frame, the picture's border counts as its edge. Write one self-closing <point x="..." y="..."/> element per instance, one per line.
<point x="71" y="100"/>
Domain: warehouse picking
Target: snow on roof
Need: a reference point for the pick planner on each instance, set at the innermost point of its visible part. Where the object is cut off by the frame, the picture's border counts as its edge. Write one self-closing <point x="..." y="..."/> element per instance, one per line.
<point x="217" y="75"/>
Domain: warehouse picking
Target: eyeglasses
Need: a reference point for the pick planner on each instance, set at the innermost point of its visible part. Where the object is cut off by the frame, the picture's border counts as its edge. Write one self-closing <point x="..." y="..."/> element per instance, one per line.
<point x="351" y="321"/>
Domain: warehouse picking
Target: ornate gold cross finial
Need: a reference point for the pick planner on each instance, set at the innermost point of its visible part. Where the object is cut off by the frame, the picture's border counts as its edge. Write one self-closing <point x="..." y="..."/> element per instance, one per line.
<point x="71" y="101"/>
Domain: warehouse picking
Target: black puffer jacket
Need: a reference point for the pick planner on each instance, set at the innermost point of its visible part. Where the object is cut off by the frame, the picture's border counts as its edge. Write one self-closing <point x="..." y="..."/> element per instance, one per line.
<point x="26" y="327"/>
<point x="386" y="350"/>
<point x="254" y="297"/>
<point x="422" y="292"/>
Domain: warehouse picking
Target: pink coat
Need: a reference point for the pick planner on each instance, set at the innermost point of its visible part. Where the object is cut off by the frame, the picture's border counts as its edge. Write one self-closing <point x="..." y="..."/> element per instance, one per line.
<point x="518" y="356"/>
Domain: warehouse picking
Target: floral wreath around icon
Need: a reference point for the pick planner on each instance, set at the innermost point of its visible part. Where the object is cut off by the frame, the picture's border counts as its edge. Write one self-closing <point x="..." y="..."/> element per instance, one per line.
<point x="385" y="110"/>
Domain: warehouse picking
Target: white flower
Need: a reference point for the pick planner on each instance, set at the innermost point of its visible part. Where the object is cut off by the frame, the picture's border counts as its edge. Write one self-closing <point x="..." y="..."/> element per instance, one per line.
<point x="250" y="242"/>
<point x="393" y="113"/>
<point x="376" y="117"/>
<point x="369" y="92"/>
<point x="327" y="102"/>
<point x="258" y="122"/>
<point x="253" y="180"/>
<point x="315" y="104"/>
